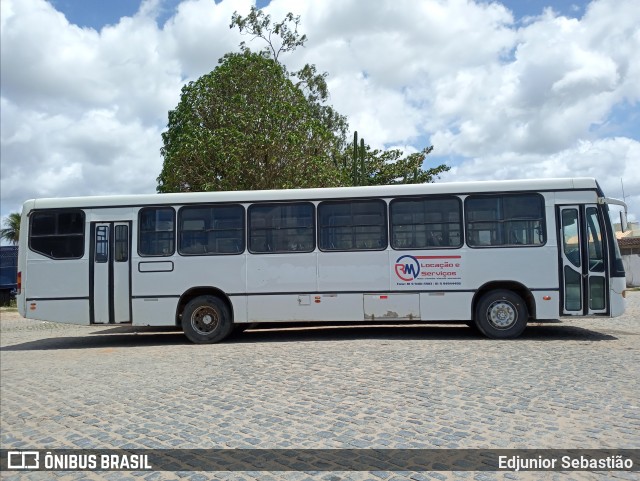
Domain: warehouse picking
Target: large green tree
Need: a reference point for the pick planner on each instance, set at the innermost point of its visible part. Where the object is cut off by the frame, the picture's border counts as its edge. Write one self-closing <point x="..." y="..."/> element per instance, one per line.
<point x="252" y="124"/>
<point x="246" y="126"/>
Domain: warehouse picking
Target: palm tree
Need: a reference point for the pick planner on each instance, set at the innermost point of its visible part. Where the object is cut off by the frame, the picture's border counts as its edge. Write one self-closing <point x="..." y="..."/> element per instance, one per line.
<point x="11" y="231"/>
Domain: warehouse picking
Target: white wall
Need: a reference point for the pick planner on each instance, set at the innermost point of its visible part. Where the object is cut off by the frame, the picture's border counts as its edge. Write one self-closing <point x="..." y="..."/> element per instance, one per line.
<point x="632" y="268"/>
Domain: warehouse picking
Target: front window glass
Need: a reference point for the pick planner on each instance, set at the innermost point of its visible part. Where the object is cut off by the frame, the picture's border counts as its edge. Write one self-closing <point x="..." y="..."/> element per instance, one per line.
<point x="570" y="236"/>
<point x="594" y="241"/>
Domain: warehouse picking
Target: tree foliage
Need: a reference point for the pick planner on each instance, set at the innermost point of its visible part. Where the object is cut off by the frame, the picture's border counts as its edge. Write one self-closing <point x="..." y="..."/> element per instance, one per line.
<point x="246" y="126"/>
<point x="284" y="37"/>
<point x="388" y="167"/>
<point x="281" y="37"/>
<point x="11" y="230"/>
<point x="252" y="124"/>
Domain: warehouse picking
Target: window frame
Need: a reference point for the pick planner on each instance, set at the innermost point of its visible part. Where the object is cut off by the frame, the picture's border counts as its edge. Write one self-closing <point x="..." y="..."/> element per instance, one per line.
<point x="118" y="256"/>
<point x="244" y="229"/>
<point x="102" y="244"/>
<point x="249" y="229"/>
<point x="57" y="212"/>
<point x="139" y="230"/>
<point x="385" y="223"/>
<point x="428" y="198"/>
<point x="502" y="221"/>
<point x="576" y="262"/>
<point x="593" y="221"/>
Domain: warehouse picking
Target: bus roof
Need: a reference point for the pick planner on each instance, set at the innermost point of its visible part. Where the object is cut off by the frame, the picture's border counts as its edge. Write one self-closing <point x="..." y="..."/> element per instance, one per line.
<point x="440" y="188"/>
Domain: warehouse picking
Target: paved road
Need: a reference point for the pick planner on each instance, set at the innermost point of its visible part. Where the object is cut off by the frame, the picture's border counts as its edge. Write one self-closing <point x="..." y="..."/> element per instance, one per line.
<point x="567" y="385"/>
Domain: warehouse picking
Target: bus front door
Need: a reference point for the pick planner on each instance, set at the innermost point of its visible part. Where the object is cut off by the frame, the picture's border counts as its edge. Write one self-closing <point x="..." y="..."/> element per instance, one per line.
<point x="110" y="276"/>
<point x="582" y="255"/>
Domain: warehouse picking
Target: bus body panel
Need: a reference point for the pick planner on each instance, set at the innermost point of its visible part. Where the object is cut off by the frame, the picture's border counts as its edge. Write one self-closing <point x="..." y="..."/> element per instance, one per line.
<point x="575" y="197"/>
<point x="617" y="286"/>
<point x="57" y="290"/>
<point x="533" y="267"/>
<point x="49" y="278"/>
<point x="563" y="185"/>
<point x="280" y="273"/>
<point x="65" y="311"/>
<point x="27" y="207"/>
<point x="239" y="306"/>
<point x="110" y="214"/>
<point x="547" y="303"/>
<point x="392" y="307"/>
<point x="154" y="311"/>
<point x="446" y="306"/>
<point x="327" y="307"/>
<point x="51" y="290"/>
<point x="427" y="284"/>
<point x="173" y="276"/>
<point x="343" y="272"/>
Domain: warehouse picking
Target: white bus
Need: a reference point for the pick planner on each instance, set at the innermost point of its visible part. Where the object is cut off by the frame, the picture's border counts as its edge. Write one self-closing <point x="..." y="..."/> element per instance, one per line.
<point x="494" y="254"/>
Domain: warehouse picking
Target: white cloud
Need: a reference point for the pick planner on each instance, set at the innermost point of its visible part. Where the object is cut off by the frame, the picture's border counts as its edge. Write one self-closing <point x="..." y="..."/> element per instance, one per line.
<point x="83" y="110"/>
<point x="612" y="161"/>
<point x="560" y="84"/>
<point x="199" y="34"/>
<point x="59" y="155"/>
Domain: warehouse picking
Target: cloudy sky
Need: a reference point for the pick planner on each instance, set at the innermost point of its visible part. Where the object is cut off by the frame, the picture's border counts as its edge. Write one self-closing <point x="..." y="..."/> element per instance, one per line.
<point x="530" y="88"/>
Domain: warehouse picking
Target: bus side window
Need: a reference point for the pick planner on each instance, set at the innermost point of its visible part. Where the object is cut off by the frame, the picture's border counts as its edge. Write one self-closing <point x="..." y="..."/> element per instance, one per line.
<point x="281" y="227"/>
<point x="426" y="222"/>
<point x="57" y="234"/>
<point x="505" y="220"/>
<point x="156" y="235"/>
<point x="211" y="229"/>
<point x="352" y="225"/>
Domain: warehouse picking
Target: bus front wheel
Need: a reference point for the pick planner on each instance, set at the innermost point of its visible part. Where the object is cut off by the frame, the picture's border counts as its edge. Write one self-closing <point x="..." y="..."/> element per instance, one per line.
<point x="206" y="320"/>
<point x="501" y="314"/>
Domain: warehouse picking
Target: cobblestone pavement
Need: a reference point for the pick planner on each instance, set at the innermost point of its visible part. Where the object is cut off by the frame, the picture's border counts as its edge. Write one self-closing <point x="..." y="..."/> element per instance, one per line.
<point x="574" y="384"/>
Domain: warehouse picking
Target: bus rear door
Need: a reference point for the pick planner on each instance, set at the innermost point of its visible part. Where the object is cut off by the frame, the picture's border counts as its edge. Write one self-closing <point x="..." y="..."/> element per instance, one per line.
<point x="110" y="272"/>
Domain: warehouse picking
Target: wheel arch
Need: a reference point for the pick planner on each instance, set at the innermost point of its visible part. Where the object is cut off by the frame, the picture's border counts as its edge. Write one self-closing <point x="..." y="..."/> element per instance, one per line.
<point x="194" y="292"/>
<point x="514" y="286"/>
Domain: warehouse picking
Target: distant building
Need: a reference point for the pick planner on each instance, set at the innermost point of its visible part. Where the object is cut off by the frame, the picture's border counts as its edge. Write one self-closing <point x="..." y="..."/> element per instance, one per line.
<point x="629" y="242"/>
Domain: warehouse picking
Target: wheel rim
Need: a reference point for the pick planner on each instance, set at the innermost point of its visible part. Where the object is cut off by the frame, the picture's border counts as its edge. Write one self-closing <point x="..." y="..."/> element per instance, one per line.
<point x="205" y="320"/>
<point x="502" y="314"/>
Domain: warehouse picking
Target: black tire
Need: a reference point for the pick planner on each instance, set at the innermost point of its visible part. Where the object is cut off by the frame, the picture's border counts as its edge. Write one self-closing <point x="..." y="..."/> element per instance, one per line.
<point x="206" y="320"/>
<point x="501" y="314"/>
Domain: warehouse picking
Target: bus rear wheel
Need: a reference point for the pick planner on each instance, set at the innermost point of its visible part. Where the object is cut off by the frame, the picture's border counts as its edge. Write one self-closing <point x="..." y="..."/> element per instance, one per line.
<point x="501" y="314"/>
<point x="206" y="320"/>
